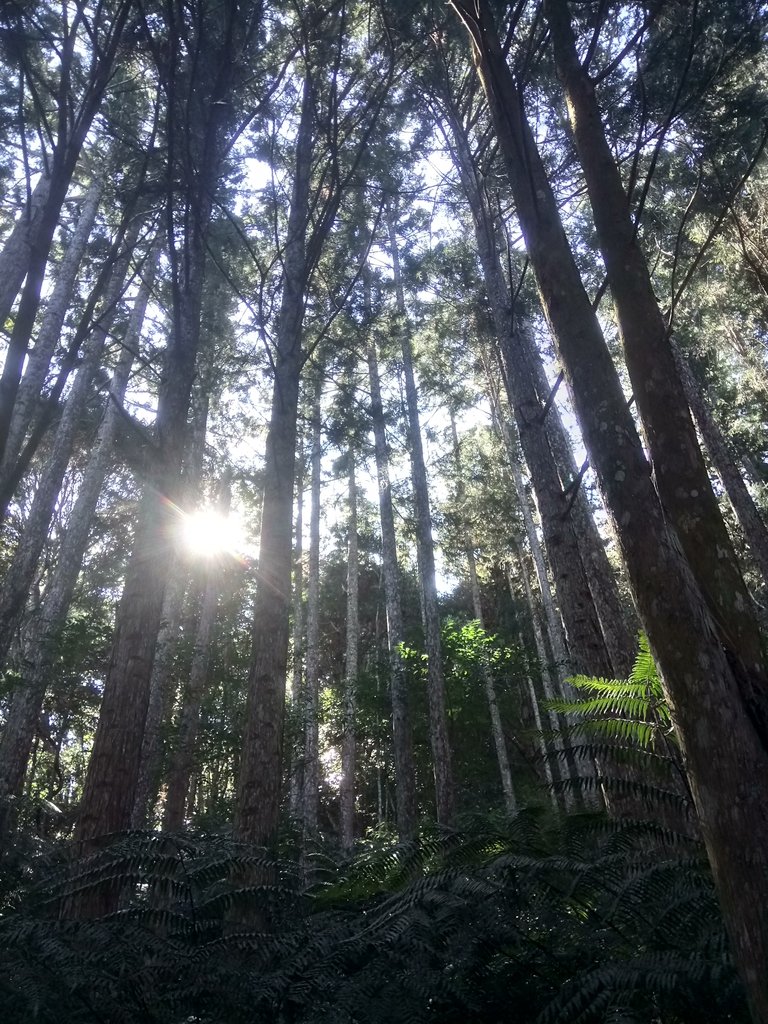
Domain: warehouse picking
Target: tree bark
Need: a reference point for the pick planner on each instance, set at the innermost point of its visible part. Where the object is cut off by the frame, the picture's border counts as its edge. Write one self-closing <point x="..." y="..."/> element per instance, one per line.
<point x="44" y="629"/>
<point x="680" y="472"/>
<point x="438" y="717"/>
<point x="257" y="811"/>
<point x="723" y="741"/>
<point x="402" y="737"/>
<point x="182" y="758"/>
<point x="497" y="728"/>
<point x="18" y="582"/>
<point x="585" y="639"/>
<point x="17" y="249"/>
<point x="311" y="705"/>
<point x="747" y="513"/>
<point x="48" y="336"/>
<point x="297" y="652"/>
<point x="349" y="739"/>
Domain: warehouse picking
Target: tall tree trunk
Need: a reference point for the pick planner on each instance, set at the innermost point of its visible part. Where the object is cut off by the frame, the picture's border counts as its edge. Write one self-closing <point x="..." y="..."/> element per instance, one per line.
<point x="297" y="652"/>
<point x="182" y="758"/>
<point x="162" y="693"/>
<point x="73" y="128"/>
<point x="113" y="771"/>
<point x="721" y="730"/>
<point x="48" y="336"/>
<point x="311" y="704"/>
<point x="680" y="472"/>
<point x="438" y="717"/>
<point x="402" y="737"/>
<point x="17" y="249"/>
<point x="44" y="629"/>
<point x="585" y="639"/>
<point x="257" y="811"/>
<point x="497" y="728"/>
<point x="618" y="628"/>
<point x="349" y="739"/>
<point x="19" y="579"/>
<point x="747" y="513"/>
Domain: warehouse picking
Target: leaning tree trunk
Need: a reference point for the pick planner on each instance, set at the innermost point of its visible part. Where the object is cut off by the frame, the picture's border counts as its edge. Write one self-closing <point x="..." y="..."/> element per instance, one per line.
<point x="75" y="117"/>
<point x="348" y="740"/>
<point x="680" y="472"/>
<point x="620" y="637"/>
<point x="18" y="582"/>
<point x="747" y="512"/>
<point x="17" y="248"/>
<point x="402" y="737"/>
<point x="438" y="716"/>
<point x="585" y="638"/>
<point x="721" y="732"/>
<point x="39" y="647"/>
<point x="310" y="704"/>
<point x="31" y="384"/>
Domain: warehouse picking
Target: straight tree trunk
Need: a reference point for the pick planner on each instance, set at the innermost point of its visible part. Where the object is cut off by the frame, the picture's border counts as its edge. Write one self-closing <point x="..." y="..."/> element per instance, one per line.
<point x="723" y="741"/>
<point x="162" y="692"/>
<point x="44" y="629"/>
<point x="497" y="728"/>
<point x="349" y="739"/>
<point x="402" y="737"/>
<point x="311" y="705"/>
<point x="680" y="472"/>
<point x="182" y="759"/>
<point x="259" y="784"/>
<point x="297" y="653"/>
<point x="438" y="717"/>
<point x="110" y="789"/>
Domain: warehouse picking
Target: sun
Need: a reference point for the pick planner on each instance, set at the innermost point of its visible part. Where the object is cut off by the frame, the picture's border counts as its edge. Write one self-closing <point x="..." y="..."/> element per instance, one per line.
<point x="207" y="533"/>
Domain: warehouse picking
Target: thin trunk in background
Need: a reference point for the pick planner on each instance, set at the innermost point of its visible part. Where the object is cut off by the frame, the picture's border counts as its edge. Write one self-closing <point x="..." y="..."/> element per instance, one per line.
<point x="497" y="727"/>
<point x="348" y="741"/>
<point x="718" y="447"/>
<point x="49" y="334"/>
<point x="297" y="651"/>
<point x="311" y="705"/>
<point x="445" y="797"/>
<point x="18" y="581"/>
<point x="402" y="736"/>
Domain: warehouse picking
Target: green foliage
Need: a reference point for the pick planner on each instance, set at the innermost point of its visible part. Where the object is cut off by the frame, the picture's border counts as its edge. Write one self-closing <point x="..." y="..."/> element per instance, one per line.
<point x="624" y="727"/>
<point x="529" y="920"/>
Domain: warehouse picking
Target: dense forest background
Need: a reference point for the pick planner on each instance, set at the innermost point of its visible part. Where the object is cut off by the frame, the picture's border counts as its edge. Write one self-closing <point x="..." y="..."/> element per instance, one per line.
<point x="383" y="511"/>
